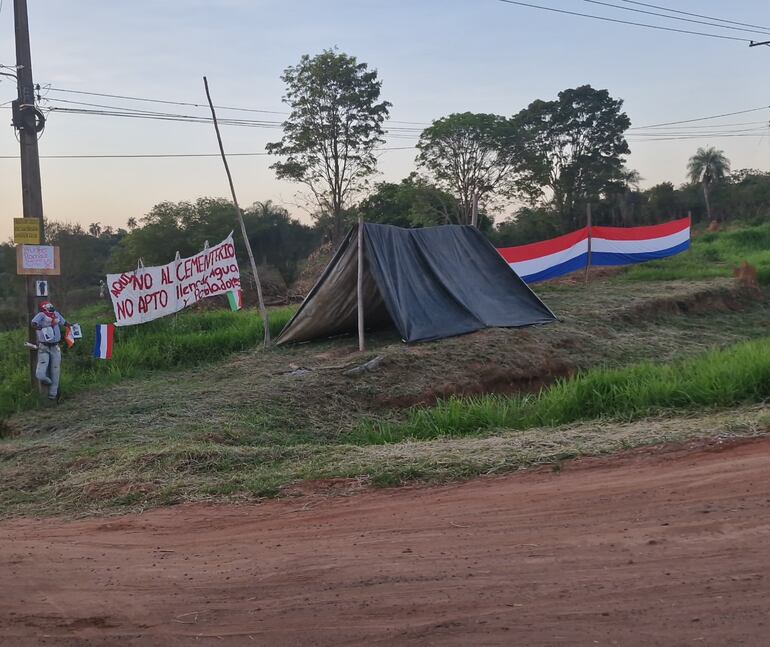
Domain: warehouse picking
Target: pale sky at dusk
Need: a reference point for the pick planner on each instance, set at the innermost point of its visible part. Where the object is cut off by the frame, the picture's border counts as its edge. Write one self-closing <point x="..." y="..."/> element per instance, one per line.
<point x="434" y="57"/>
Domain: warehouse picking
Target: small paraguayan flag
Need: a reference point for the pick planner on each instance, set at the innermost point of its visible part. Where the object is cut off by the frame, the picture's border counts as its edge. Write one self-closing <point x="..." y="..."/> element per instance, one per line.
<point x="235" y="298"/>
<point x="103" y="343"/>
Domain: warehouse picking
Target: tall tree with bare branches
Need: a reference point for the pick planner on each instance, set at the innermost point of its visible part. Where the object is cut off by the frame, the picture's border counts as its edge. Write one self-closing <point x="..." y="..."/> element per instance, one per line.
<point x="472" y="156"/>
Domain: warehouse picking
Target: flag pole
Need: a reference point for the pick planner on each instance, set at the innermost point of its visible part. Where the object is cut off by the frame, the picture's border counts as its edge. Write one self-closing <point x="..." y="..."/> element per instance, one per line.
<point x="588" y="225"/>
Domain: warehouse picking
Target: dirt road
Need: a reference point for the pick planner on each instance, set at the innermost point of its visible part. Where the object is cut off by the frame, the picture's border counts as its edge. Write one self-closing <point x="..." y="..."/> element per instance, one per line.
<point x="662" y="547"/>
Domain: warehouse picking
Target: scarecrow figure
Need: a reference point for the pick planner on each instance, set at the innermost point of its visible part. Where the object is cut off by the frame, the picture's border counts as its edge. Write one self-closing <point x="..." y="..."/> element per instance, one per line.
<point x="47" y="323"/>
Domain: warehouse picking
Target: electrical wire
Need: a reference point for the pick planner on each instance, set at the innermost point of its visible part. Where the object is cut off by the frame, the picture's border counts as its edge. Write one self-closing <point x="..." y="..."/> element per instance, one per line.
<point x="625" y="22"/>
<point x="176" y="155"/>
<point x="196" y="105"/>
<point x="738" y="123"/>
<point x="698" y="22"/>
<point x="696" y="15"/>
<point x="689" y="121"/>
<point x="112" y="110"/>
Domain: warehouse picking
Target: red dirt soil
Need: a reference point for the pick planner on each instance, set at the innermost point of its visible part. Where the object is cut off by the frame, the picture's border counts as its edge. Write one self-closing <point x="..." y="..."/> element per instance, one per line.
<point x="658" y="547"/>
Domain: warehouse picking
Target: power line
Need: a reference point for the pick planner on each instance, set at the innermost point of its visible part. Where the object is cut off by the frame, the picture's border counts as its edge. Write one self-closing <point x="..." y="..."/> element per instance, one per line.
<point x="696" y="15"/>
<point x="689" y="121"/>
<point x="177" y="155"/>
<point x="625" y="22"/>
<point x="197" y="105"/>
<point x="655" y="13"/>
<point x="691" y="137"/>
<point x="166" y="101"/>
<point x="736" y="123"/>
<point x="122" y="111"/>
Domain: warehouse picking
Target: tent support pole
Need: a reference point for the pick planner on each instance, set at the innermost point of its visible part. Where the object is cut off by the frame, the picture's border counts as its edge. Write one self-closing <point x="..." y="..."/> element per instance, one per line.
<point x="360" y="285"/>
<point x="239" y="213"/>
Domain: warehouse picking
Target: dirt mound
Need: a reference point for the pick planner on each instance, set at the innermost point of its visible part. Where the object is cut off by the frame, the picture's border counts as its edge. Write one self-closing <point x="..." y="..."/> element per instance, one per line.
<point x="487" y="378"/>
<point x="746" y="276"/>
<point x="594" y="274"/>
<point x="721" y="299"/>
<point x="652" y="548"/>
<point x="311" y="270"/>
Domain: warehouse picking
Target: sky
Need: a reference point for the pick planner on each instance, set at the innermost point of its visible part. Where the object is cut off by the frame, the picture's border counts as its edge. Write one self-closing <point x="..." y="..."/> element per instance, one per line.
<point x="435" y="57"/>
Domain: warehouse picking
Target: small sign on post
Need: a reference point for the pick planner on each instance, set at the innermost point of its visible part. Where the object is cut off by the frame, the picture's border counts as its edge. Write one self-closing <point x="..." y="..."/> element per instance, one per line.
<point x="41" y="288"/>
<point x="38" y="260"/>
<point x="26" y="231"/>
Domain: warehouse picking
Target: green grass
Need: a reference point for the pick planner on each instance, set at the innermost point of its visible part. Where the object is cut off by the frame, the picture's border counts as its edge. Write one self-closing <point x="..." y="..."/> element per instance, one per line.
<point x="713" y="254"/>
<point x="187" y="339"/>
<point x="719" y="378"/>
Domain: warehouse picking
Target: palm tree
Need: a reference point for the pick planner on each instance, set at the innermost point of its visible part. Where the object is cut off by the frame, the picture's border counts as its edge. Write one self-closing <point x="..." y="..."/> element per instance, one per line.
<point x="708" y="166"/>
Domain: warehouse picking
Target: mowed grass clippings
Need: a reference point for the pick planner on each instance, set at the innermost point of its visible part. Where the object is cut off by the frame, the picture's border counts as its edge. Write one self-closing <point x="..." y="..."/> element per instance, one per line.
<point x="133" y="478"/>
<point x="178" y="341"/>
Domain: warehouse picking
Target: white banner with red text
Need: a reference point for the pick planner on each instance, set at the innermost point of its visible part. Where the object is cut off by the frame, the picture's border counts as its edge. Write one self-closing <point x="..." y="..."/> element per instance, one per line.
<point x="152" y="292"/>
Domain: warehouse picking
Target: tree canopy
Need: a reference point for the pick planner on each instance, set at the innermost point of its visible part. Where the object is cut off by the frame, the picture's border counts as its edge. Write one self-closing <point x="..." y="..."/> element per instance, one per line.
<point x="334" y="126"/>
<point x="575" y="147"/>
<point x="472" y="156"/>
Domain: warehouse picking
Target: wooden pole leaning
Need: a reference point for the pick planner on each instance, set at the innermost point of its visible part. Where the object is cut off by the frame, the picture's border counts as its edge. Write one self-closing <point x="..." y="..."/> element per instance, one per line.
<point x="360" y="285"/>
<point x="262" y="309"/>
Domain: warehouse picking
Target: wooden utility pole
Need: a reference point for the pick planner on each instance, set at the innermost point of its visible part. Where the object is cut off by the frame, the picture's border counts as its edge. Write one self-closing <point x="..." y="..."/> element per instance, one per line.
<point x="262" y="309"/>
<point x="360" y="285"/>
<point x="590" y="236"/>
<point x="25" y="120"/>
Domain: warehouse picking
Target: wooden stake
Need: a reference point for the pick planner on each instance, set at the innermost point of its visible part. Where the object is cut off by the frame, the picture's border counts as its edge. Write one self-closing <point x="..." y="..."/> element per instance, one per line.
<point x="590" y="235"/>
<point x="360" y="285"/>
<point x="262" y="309"/>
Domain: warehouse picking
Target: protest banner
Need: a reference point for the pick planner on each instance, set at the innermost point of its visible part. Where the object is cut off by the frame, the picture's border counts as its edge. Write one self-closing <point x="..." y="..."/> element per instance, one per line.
<point x="152" y="292"/>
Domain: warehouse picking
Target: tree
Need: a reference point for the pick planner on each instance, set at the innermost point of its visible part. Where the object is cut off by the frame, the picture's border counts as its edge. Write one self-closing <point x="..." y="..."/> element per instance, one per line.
<point x="413" y="202"/>
<point x="472" y="156"/>
<point x="334" y="126"/>
<point x="575" y="148"/>
<point x="663" y="202"/>
<point x="526" y="225"/>
<point x="185" y="227"/>
<point x="708" y="167"/>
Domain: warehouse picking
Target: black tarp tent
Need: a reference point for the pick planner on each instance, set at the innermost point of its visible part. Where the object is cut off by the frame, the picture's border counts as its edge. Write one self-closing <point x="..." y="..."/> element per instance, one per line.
<point x="429" y="283"/>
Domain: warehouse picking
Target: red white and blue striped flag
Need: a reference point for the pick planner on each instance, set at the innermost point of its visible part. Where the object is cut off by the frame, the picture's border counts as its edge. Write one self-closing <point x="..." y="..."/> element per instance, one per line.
<point x="609" y="246"/>
<point x="103" y="342"/>
<point x="626" y="245"/>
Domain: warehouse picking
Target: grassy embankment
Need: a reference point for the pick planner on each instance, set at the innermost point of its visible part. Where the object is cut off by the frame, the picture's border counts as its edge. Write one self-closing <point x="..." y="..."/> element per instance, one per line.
<point x="712" y="255"/>
<point x="737" y="375"/>
<point x="247" y="427"/>
<point x="184" y="340"/>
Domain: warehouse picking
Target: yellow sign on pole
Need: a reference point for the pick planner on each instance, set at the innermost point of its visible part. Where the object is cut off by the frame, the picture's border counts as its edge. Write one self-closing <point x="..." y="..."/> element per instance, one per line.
<point x="26" y="231"/>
